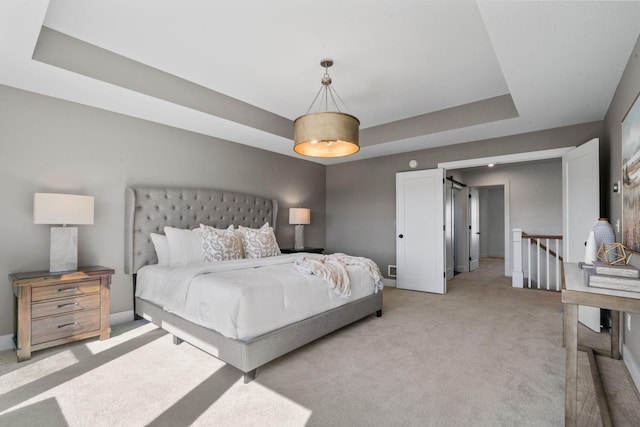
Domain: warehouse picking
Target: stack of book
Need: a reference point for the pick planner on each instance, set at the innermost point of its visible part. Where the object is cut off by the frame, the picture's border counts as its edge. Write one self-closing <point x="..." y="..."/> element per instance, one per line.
<point x="619" y="277"/>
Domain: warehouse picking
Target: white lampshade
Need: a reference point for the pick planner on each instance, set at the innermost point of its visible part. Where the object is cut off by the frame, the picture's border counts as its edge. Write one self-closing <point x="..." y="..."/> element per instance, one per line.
<point x="52" y="208"/>
<point x="62" y="209"/>
<point x="299" y="216"/>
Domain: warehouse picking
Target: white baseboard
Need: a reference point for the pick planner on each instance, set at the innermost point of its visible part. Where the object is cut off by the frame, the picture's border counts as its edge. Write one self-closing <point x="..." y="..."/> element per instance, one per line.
<point x="6" y="341"/>
<point x="122" y="317"/>
<point x="632" y="366"/>
<point x="389" y="282"/>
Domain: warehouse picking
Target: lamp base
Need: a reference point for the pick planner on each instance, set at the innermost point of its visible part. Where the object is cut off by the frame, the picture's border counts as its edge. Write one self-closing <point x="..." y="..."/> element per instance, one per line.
<point x="299" y="239"/>
<point x="64" y="249"/>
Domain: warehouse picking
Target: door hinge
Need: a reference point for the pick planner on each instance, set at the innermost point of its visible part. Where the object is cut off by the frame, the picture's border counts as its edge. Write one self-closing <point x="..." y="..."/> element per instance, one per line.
<point x="469" y="227"/>
<point x="444" y="274"/>
<point x="444" y="227"/>
<point x="469" y="258"/>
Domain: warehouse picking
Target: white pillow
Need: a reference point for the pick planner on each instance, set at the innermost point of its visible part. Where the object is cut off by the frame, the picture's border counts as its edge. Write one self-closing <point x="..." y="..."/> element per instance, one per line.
<point x="185" y="246"/>
<point x="161" y="245"/>
<point x="259" y="242"/>
<point x="220" y="245"/>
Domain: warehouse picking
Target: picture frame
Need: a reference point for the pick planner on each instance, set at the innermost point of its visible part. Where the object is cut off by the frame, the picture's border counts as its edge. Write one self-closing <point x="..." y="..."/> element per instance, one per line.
<point x="631" y="177"/>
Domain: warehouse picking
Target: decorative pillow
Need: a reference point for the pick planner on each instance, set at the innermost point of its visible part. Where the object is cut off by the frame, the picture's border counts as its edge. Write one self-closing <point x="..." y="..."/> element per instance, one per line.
<point x="259" y="242"/>
<point x="161" y="245"/>
<point x="220" y="245"/>
<point x="185" y="246"/>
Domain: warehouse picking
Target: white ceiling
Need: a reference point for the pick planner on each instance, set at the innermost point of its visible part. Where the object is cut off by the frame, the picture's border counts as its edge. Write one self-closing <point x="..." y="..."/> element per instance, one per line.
<point x="394" y="59"/>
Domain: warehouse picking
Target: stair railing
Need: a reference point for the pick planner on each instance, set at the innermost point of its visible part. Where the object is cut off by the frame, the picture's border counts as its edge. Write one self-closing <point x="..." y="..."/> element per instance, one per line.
<point x="535" y="261"/>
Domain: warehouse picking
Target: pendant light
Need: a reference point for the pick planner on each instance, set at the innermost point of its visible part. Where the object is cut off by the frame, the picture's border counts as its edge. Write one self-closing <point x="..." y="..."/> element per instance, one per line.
<point x="326" y="133"/>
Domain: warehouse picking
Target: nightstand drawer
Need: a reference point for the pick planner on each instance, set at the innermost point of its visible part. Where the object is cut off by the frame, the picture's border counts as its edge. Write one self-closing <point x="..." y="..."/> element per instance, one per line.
<point x="62" y="290"/>
<point x="66" y="305"/>
<point x="56" y="327"/>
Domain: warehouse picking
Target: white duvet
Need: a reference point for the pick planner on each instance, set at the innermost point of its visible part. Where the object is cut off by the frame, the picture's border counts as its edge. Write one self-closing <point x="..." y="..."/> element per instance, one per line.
<point x="242" y="299"/>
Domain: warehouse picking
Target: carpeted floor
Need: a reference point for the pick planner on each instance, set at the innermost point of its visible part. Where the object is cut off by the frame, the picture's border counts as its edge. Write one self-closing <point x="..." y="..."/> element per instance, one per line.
<point x="484" y="354"/>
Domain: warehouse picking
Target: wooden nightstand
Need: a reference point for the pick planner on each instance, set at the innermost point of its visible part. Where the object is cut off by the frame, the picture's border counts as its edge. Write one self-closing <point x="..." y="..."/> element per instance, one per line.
<point x="294" y="251"/>
<point x="56" y="308"/>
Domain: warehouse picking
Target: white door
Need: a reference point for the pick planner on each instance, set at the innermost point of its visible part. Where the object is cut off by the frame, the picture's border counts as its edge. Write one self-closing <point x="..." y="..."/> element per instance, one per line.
<point x="474" y="229"/>
<point x="461" y="235"/>
<point x="420" y="231"/>
<point x="580" y="210"/>
<point x="448" y="228"/>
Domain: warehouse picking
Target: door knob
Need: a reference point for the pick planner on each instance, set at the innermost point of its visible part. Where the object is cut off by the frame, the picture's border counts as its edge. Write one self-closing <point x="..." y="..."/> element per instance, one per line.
<point x="401" y="236"/>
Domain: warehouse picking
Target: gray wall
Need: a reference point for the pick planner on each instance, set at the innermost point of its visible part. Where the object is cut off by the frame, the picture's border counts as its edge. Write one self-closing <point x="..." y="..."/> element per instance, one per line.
<point x="628" y="89"/>
<point x="535" y="193"/>
<point x="361" y="194"/>
<point x="48" y="145"/>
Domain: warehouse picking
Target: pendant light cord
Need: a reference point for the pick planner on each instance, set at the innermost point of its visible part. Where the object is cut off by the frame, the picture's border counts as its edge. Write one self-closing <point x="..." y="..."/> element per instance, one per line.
<point x="329" y="92"/>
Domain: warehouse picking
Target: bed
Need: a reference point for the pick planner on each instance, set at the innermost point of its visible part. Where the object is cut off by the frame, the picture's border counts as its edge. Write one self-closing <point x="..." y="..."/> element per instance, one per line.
<point x="150" y="209"/>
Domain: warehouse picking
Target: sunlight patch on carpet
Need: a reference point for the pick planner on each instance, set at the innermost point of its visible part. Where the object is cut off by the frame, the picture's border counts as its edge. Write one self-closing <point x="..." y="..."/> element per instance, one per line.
<point x="259" y="403"/>
<point x="40" y="366"/>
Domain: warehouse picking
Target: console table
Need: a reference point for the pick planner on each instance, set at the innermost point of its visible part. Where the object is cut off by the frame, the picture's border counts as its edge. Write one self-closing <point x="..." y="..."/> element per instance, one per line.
<point x="575" y="292"/>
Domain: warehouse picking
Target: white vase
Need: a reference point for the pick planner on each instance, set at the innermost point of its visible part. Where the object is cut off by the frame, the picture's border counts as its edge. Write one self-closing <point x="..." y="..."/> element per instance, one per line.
<point x="590" y="249"/>
<point x="604" y="234"/>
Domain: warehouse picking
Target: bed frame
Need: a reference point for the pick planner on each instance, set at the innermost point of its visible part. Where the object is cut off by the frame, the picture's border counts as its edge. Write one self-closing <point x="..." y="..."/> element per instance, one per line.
<point x="149" y="210"/>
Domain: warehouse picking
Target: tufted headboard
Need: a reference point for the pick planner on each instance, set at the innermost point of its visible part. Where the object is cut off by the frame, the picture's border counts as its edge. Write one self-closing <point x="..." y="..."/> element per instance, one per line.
<point x="149" y="210"/>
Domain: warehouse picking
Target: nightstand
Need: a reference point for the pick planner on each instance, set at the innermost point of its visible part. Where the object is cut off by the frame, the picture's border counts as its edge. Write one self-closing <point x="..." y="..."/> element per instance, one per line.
<point x="294" y="251"/>
<point x="57" y="308"/>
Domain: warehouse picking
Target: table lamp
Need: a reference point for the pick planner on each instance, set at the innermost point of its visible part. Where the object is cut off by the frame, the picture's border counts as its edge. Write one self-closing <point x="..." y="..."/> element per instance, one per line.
<point x="62" y="209"/>
<point x="299" y="217"/>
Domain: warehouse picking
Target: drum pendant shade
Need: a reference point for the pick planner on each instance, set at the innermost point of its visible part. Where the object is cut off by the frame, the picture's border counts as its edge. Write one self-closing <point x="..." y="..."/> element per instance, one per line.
<point x="326" y="133"/>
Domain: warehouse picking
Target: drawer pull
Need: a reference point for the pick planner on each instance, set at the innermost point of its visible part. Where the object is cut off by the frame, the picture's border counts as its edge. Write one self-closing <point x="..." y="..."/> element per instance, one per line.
<point x="67" y="324"/>
<point x="73" y="289"/>
<point x="73" y="304"/>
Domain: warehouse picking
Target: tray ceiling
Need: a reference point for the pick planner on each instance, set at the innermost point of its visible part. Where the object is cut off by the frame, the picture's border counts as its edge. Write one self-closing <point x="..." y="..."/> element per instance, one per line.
<point x="418" y="74"/>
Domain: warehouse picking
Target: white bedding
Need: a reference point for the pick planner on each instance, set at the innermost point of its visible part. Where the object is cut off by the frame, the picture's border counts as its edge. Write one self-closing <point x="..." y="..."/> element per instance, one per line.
<point x="245" y="298"/>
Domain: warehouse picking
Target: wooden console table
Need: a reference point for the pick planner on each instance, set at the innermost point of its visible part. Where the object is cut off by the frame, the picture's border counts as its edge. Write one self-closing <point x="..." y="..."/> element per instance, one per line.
<point x="575" y="292"/>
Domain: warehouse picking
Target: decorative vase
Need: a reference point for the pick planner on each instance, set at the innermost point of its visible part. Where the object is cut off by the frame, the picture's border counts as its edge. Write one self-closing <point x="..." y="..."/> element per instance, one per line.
<point x="590" y="249"/>
<point x="604" y="234"/>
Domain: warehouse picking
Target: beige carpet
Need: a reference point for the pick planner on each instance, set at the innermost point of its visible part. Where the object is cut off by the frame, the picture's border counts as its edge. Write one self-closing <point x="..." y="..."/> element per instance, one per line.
<point x="485" y="354"/>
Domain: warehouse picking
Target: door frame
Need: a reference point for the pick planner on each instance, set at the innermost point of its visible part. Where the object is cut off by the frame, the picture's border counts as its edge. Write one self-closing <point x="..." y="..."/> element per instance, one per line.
<point x="461" y="237"/>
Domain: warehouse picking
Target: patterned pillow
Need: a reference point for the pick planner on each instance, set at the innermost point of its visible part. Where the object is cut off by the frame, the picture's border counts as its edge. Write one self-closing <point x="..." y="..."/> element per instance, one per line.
<point x="259" y="242"/>
<point x="220" y="245"/>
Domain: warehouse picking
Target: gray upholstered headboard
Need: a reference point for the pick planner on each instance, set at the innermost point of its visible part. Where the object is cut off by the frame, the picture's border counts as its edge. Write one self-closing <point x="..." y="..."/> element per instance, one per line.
<point x="149" y="210"/>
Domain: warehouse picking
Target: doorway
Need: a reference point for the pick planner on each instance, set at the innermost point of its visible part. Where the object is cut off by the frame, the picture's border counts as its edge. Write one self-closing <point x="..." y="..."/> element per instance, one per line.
<point x="526" y="157"/>
<point x="478" y="225"/>
<point x="492" y="221"/>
